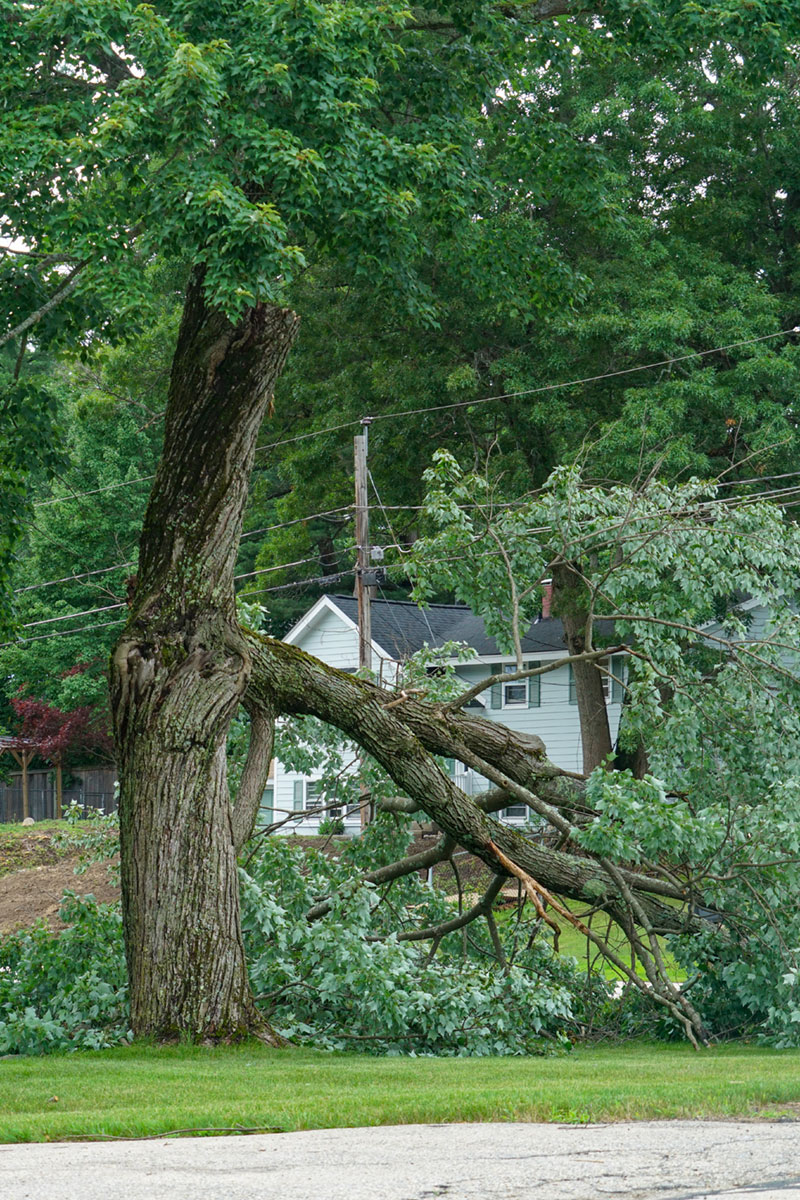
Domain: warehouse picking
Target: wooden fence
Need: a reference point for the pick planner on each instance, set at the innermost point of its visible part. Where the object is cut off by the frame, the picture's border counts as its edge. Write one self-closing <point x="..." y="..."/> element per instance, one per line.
<point x="91" y="787"/>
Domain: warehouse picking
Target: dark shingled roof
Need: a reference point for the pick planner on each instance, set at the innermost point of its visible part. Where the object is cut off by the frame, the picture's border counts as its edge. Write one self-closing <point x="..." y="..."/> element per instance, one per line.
<point x="402" y="628"/>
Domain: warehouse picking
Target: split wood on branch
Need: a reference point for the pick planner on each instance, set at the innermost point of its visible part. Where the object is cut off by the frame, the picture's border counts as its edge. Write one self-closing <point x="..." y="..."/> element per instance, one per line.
<point x="677" y="1003"/>
<point x="625" y="906"/>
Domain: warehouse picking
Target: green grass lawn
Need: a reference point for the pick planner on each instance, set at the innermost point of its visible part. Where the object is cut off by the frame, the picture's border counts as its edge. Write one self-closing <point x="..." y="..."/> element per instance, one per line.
<point x="142" y="1090"/>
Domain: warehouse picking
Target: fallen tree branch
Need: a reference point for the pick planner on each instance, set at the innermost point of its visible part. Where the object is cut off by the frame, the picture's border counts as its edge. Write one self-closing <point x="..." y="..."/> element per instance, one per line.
<point x="294" y="682"/>
<point x="660" y="987"/>
<point x="403" y="866"/>
<point x="436" y="932"/>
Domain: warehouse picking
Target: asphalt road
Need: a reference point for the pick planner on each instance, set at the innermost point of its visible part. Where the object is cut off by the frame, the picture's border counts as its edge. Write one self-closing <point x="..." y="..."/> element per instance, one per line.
<point x="671" y="1160"/>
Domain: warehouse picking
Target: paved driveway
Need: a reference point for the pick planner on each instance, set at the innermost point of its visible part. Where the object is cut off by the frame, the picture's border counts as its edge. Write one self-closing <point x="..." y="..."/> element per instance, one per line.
<point x="671" y="1160"/>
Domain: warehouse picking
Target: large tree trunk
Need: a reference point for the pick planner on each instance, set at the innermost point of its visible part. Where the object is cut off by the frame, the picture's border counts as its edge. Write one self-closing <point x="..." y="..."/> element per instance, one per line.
<point x="178" y="676"/>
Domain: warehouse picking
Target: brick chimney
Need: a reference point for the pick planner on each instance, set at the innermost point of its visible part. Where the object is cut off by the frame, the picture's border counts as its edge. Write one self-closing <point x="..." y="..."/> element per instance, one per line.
<point x="547" y="599"/>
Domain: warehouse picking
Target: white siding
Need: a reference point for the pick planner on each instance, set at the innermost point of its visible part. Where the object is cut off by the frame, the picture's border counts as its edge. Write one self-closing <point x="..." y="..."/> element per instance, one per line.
<point x="283" y="803"/>
<point x="330" y="639"/>
<point x="333" y="640"/>
<point x="555" y="720"/>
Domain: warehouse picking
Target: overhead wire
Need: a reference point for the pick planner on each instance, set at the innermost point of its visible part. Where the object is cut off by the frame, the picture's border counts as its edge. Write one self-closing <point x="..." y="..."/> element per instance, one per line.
<point x="294" y="584"/>
<point x="109" y="487"/>
<point x="547" y="387"/>
<point x="771" y="495"/>
<point x="411" y="412"/>
<point x="87" y="612"/>
<point x="39" y="637"/>
<point x="786" y="493"/>
<point x="70" y="578"/>
<point x="131" y="562"/>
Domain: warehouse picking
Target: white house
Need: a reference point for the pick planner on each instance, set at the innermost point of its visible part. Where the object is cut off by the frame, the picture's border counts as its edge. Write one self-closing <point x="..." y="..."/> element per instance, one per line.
<point x="545" y="705"/>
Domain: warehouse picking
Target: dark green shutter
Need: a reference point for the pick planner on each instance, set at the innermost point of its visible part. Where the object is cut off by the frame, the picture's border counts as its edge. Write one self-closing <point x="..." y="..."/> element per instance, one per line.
<point x="617" y="675"/>
<point x="573" y="695"/>
<point x="496" y="699"/>
<point x="534" y="686"/>
<point x="267" y="805"/>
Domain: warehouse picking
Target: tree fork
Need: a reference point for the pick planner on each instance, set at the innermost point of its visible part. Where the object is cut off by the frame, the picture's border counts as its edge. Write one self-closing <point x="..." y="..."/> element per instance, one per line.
<point x="178" y="675"/>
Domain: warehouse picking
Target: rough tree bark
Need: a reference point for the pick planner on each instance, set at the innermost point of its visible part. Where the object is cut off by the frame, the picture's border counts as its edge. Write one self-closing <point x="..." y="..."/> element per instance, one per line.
<point x="178" y="676"/>
<point x="569" y="603"/>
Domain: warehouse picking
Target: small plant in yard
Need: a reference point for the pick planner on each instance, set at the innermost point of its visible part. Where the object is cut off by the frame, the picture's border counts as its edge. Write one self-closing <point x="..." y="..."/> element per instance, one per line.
<point x="94" y="834"/>
<point x="331" y="827"/>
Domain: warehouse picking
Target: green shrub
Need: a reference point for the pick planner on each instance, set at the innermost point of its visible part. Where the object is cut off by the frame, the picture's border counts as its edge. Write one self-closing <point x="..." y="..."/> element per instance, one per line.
<point x="65" y="990"/>
<point x="331" y="826"/>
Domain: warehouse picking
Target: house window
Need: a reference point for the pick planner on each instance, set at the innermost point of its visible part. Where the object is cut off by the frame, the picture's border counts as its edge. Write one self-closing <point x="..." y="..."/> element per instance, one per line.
<point x="522" y="693"/>
<point x="313" y="797"/>
<point x="316" y="799"/>
<point x="516" y="810"/>
<point x="514" y="693"/>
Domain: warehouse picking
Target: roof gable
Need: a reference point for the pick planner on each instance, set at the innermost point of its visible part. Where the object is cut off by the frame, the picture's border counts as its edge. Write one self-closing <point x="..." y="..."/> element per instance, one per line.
<point x="332" y="605"/>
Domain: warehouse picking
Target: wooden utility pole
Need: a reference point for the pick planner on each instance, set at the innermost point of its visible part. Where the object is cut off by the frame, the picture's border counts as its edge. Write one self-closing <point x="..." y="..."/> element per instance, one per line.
<point x="363" y="589"/>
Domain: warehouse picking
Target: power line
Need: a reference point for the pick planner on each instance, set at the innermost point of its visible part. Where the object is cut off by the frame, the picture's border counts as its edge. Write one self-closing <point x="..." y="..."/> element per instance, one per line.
<point x="109" y="487"/>
<point x="122" y="604"/>
<point x="324" y="579"/>
<point x="774" y="495"/>
<point x="297" y="583"/>
<point x="329" y="512"/>
<point x="770" y="494"/>
<point x="411" y="412"/>
<point x="69" y="578"/>
<point x="118" y="566"/>
<point x="38" y="637"/>
<point x="548" y="387"/>
<point x="87" y="612"/>
<point x="280" y="567"/>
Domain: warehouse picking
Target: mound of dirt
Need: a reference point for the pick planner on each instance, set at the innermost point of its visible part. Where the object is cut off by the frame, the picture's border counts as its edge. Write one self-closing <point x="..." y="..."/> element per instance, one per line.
<point x="29" y="895"/>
